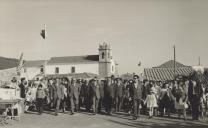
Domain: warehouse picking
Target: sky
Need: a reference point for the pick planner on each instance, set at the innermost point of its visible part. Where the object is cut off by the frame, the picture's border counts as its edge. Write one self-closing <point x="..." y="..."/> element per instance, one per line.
<point x="137" y="30"/>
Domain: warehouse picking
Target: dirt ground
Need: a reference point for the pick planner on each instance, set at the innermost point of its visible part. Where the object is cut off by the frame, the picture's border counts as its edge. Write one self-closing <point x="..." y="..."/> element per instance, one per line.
<point x="87" y="120"/>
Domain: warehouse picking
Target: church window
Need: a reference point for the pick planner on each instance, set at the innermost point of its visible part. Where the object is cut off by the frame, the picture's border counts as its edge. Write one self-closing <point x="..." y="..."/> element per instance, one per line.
<point x="109" y="55"/>
<point x="103" y="55"/>
<point x="112" y="68"/>
<point x="73" y="69"/>
<point x="41" y="70"/>
<point x="56" y="70"/>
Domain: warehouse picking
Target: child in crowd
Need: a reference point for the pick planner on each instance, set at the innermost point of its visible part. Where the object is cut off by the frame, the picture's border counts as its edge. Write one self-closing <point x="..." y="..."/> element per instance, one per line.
<point x="40" y="95"/>
<point x="151" y="101"/>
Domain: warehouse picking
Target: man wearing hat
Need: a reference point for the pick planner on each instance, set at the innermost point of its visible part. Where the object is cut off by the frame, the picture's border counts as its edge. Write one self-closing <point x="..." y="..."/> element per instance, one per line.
<point x="59" y="95"/>
<point x="73" y="94"/>
<point x="119" y="88"/>
<point x="136" y="94"/>
<point x="95" y="95"/>
<point x="109" y="95"/>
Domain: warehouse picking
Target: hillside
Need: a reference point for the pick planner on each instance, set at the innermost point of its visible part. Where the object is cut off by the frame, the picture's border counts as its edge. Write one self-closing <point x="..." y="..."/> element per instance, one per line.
<point x="6" y="63"/>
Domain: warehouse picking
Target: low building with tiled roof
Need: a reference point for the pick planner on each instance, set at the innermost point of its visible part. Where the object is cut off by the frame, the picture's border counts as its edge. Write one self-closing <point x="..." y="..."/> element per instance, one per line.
<point x="170" y="64"/>
<point x="165" y="71"/>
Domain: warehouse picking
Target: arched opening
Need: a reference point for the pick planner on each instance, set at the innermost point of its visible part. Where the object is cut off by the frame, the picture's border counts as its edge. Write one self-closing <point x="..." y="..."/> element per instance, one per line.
<point x="103" y="55"/>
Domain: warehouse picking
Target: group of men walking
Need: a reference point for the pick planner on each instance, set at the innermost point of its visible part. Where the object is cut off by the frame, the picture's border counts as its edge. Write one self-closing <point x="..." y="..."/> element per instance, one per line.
<point x="113" y="95"/>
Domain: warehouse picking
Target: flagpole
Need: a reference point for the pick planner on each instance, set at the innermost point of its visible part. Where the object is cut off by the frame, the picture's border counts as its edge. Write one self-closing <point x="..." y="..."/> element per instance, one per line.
<point x="43" y="34"/>
<point x="45" y="51"/>
<point x="174" y="62"/>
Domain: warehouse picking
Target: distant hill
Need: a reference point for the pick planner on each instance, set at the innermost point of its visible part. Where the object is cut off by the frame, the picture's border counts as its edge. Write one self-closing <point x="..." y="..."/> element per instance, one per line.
<point x="6" y="63"/>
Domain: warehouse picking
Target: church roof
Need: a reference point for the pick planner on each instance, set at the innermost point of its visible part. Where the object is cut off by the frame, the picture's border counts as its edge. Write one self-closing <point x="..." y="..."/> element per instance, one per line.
<point x="34" y="63"/>
<point x="170" y="64"/>
<point x="74" y="59"/>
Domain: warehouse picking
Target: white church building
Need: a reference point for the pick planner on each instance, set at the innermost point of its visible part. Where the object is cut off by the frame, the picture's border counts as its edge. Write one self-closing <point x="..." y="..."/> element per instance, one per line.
<point x="101" y="64"/>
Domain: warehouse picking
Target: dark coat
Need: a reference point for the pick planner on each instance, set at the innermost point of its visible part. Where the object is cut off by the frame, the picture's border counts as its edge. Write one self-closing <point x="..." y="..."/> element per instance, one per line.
<point x="59" y="91"/>
<point x="22" y="90"/>
<point x="109" y="91"/>
<point x="94" y="91"/>
<point x="136" y="93"/>
<point x="119" y="91"/>
<point x="101" y="90"/>
<point x="74" y="90"/>
<point x="51" y="91"/>
<point x="194" y="91"/>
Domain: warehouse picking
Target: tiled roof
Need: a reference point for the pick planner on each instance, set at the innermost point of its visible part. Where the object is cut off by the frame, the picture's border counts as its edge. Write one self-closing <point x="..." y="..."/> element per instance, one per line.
<point x="163" y="74"/>
<point x="34" y="63"/>
<point x="74" y="75"/>
<point x="170" y="64"/>
<point x="74" y="59"/>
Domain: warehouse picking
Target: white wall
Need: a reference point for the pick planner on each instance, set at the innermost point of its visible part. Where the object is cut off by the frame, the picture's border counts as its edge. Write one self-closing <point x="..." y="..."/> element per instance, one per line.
<point x="79" y="68"/>
<point x="31" y="72"/>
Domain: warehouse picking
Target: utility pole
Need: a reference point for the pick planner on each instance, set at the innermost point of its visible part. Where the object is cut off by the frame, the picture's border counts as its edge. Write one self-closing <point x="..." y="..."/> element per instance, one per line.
<point x="174" y="62"/>
<point x="199" y="61"/>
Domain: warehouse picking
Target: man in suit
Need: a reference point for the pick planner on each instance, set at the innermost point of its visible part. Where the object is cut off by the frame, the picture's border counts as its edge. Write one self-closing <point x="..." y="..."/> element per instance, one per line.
<point x="59" y="95"/>
<point x="109" y="95"/>
<point x="51" y="93"/>
<point x="73" y="93"/>
<point x="119" y="94"/>
<point x="95" y="95"/>
<point x="101" y="101"/>
<point x="136" y="95"/>
<point x="194" y="94"/>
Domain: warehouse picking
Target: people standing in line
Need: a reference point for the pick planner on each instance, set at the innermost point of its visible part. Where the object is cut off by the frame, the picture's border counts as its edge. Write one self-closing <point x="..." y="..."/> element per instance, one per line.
<point x="40" y="96"/>
<point x="136" y="95"/>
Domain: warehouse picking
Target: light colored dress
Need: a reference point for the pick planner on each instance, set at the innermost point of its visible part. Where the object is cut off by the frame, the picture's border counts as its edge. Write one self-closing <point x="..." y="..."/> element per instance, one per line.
<point x="151" y="99"/>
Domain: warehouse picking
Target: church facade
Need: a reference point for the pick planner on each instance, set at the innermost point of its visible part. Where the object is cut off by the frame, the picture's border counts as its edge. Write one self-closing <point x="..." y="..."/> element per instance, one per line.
<point x="101" y="64"/>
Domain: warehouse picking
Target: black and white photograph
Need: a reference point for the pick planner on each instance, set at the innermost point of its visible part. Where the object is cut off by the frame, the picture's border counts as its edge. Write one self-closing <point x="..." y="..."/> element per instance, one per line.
<point x="103" y="63"/>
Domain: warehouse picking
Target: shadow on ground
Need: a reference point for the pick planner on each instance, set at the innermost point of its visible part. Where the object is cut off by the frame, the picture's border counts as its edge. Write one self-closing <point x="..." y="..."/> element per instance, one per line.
<point x="160" y="123"/>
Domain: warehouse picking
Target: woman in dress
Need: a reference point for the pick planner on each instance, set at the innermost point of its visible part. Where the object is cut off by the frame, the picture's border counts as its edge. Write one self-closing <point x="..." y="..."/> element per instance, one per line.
<point x="151" y="100"/>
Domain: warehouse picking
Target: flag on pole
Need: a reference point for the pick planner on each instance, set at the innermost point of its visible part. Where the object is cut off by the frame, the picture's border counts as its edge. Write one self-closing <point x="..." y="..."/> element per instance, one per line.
<point x="20" y="65"/>
<point x="139" y="63"/>
<point x="43" y="32"/>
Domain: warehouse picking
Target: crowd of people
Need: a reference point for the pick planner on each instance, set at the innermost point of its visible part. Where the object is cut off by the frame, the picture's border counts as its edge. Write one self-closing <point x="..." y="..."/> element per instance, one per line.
<point x="114" y="95"/>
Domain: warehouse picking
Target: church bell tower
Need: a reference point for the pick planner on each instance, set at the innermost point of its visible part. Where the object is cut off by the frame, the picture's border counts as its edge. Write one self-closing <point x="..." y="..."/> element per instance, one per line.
<point x="105" y="57"/>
